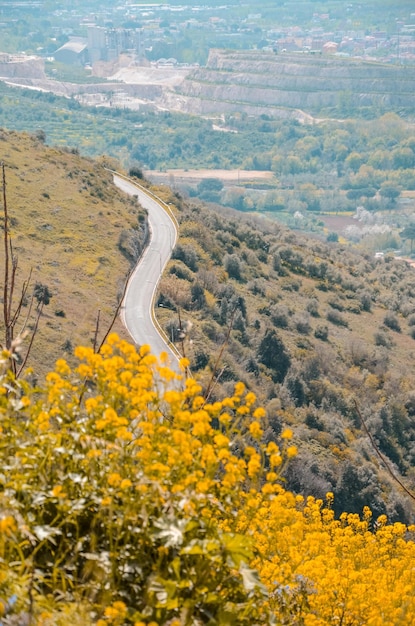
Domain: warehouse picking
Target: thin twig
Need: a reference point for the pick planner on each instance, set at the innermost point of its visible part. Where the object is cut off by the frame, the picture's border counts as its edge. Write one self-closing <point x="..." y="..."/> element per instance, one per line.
<point x="212" y="380"/>
<point x="8" y="328"/>
<point x="380" y="455"/>
<point x="182" y="334"/>
<point x="12" y="281"/>
<point x="94" y="345"/>
<point x="20" y="305"/>
<point x="117" y="310"/>
<point x="32" y="338"/>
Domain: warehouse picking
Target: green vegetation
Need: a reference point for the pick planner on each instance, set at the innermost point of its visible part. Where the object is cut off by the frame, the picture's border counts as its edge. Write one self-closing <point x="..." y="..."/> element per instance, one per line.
<point x="340" y="320"/>
<point x="115" y="484"/>
<point x="326" y="168"/>
<point x="70" y="73"/>
<point x="129" y="499"/>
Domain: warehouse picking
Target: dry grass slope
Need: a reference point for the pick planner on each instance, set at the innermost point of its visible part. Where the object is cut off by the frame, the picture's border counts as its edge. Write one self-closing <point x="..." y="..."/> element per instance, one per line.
<point x="66" y="218"/>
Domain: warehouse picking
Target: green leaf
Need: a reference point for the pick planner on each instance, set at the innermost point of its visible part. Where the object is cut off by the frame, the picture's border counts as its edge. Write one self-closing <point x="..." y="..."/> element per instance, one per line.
<point x="250" y="579"/>
<point x="170" y="533"/>
<point x="238" y="548"/>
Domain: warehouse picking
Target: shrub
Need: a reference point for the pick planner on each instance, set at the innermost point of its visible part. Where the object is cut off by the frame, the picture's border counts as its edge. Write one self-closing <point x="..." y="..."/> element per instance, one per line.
<point x="336" y="318"/>
<point x="198" y="296"/>
<point x="366" y="301"/>
<point x="233" y="266"/>
<point x="312" y="307"/>
<point x="136" y="172"/>
<point x="391" y="321"/>
<point x="200" y="361"/>
<point x="336" y="303"/>
<point x="125" y="506"/>
<point x="188" y="255"/>
<point x="321" y="332"/>
<point x="280" y="316"/>
<point x="382" y="339"/>
<point x="302" y="324"/>
<point x="272" y="354"/>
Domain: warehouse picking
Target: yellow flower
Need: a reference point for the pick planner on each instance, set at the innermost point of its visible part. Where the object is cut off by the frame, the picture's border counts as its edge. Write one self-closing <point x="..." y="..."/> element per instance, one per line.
<point x="126" y="483"/>
<point x="291" y="452"/>
<point x="91" y="404"/>
<point x="57" y="492"/>
<point x="259" y="413"/>
<point x="114" y="479"/>
<point x="94" y="454"/>
<point x="287" y="433"/>
<point x="255" y="430"/>
<point x="221" y="441"/>
<point x="275" y="460"/>
<point x="184" y="363"/>
<point x="62" y="367"/>
<point x="7" y="525"/>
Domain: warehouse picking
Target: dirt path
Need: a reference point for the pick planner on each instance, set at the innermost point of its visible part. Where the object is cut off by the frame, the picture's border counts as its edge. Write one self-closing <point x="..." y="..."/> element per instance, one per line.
<point x="225" y="175"/>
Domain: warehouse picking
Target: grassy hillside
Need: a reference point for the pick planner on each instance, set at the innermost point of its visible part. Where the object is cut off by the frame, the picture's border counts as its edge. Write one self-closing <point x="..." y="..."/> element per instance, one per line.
<point x="68" y="225"/>
<point x="321" y="332"/>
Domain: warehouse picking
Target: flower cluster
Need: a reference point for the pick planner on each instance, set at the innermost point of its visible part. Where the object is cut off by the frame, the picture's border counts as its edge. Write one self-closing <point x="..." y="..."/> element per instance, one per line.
<point x="126" y="493"/>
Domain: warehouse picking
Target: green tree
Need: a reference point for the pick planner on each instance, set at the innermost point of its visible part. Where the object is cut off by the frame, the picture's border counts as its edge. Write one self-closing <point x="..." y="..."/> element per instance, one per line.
<point x="403" y="158"/>
<point x="390" y="193"/>
<point x="408" y="233"/>
<point x="272" y="353"/>
<point x="233" y="266"/>
<point x="354" y="161"/>
<point x="42" y="294"/>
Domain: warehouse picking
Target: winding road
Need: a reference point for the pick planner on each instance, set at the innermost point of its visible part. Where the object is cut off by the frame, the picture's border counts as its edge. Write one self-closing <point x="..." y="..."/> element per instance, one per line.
<point x="137" y="309"/>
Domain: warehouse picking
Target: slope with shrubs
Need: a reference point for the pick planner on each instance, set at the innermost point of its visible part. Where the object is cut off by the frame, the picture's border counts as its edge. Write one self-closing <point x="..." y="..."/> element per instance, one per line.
<point x="127" y="498"/>
<point x="71" y="231"/>
<point x="323" y="333"/>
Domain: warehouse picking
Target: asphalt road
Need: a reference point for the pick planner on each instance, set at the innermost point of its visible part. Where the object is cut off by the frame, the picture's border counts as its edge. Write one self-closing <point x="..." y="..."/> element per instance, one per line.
<point x="138" y="302"/>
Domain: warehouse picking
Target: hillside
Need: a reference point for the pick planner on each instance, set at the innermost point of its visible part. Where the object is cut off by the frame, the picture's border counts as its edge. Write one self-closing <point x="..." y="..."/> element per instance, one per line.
<point x="290" y="84"/>
<point x="322" y="333"/>
<point x="72" y="231"/>
<point x="314" y="328"/>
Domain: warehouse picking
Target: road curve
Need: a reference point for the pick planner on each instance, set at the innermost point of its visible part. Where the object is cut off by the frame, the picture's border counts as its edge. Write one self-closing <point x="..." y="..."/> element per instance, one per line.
<point x="137" y="307"/>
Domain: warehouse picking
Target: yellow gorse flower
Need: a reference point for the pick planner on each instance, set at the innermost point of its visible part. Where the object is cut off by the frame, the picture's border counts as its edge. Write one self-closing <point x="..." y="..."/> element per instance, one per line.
<point x="121" y="483"/>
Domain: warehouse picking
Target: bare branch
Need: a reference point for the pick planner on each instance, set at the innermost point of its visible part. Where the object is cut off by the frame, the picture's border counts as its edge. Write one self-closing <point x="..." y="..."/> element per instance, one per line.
<point x="8" y="328"/>
<point x="214" y="378"/>
<point x="94" y="345"/>
<point x="116" y="312"/>
<point x="20" y="304"/>
<point x="12" y="281"/>
<point x="32" y="338"/>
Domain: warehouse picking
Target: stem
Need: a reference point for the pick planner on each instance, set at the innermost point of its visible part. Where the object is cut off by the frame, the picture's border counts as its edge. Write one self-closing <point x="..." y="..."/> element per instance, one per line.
<point x="6" y="319"/>
<point x="210" y="386"/>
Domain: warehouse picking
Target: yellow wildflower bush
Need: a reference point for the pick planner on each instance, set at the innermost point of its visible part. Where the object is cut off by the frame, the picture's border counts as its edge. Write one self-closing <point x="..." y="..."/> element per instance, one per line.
<point x="127" y="495"/>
